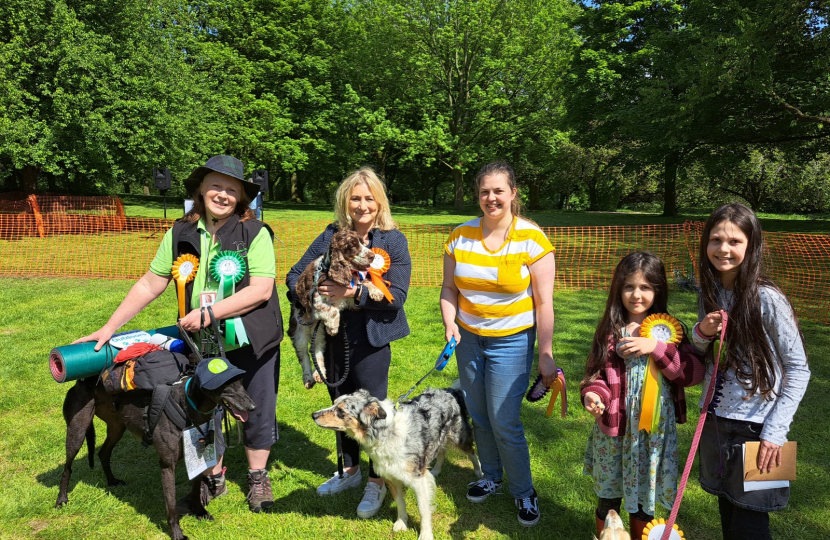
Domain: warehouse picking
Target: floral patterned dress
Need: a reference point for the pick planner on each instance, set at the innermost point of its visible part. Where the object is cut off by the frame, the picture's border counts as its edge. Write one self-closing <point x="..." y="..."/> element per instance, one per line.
<point x="637" y="466"/>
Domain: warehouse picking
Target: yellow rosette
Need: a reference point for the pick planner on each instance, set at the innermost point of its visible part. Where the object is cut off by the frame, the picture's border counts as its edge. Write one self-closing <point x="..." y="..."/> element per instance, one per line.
<point x="184" y="271"/>
<point x="380" y="264"/>
<point x="666" y="329"/>
<point x="656" y="529"/>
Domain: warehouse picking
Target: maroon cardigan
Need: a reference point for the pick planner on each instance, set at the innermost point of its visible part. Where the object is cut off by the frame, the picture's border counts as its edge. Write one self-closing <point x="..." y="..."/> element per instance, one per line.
<point x="682" y="366"/>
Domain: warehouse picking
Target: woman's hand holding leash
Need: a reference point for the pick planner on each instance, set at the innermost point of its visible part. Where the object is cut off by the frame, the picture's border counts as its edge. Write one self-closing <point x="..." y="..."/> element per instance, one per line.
<point x="769" y="456"/>
<point x="451" y="331"/>
<point x="192" y="321"/>
<point x="593" y="404"/>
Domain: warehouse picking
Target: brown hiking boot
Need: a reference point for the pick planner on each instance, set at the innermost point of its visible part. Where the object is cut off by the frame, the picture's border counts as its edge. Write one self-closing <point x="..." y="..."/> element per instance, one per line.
<point x="210" y="487"/>
<point x="260" y="497"/>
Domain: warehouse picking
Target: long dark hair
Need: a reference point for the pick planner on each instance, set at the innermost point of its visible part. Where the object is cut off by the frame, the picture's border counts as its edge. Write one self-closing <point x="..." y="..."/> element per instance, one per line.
<point x="500" y="167"/>
<point x="616" y="315"/>
<point x="198" y="210"/>
<point x="754" y="365"/>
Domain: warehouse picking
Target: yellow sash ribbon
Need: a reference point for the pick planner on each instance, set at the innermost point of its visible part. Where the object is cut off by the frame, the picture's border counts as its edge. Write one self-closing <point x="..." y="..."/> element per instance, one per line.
<point x="184" y="271"/>
<point x="379" y="266"/>
<point x="555" y="388"/>
<point x="666" y="329"/>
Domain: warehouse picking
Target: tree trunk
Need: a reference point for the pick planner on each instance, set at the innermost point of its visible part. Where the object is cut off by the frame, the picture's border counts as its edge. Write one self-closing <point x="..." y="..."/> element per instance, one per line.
<point x="296" y="189"/>
<point x="435" y="185"/>
<point x="593" y="197"/>
<point x="458" y="181"/>
<point x="534" y="199"/>
<point x="671" y="163"/>
<point x="29" y="175"/>
<point x="127" y="188"/>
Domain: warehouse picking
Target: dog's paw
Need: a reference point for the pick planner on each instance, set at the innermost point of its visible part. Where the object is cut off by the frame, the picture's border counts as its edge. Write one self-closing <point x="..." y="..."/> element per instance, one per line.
<point x="399" y="526"/>
<point x="317" y="378"/>
<point x="60" y="503"/>
<point x="117" y="482"/>
<point x="204" y="517"/>
<point x="425" y="536"/>
<point x="375" y="293"/>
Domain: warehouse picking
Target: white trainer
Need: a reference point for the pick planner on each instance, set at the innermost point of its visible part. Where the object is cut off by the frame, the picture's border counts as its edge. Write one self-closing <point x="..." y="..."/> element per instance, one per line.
<point x="335" y="484"/>
<point x="373" y="497"/>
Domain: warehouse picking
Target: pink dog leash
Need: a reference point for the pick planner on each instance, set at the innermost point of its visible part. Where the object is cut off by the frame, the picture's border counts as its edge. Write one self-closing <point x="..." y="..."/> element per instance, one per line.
<point x="696" y="440"/>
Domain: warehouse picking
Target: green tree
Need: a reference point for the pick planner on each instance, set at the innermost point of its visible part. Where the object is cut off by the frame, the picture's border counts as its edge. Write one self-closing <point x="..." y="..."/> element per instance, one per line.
<point x="93" y="93"/>
<point x="665" y="78"/>
<point x="469" y="75"/>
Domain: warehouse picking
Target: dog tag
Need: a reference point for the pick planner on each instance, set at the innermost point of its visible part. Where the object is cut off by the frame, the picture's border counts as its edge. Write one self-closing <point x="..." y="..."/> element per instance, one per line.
<point x="199" y="450"/>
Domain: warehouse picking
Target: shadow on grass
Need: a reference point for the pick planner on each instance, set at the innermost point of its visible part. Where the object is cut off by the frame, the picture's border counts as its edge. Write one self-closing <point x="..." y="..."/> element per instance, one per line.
<point x="139" y="469"/>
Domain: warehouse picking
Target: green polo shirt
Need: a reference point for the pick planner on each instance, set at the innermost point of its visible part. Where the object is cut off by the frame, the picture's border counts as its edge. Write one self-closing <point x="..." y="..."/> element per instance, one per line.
<point x="261" y="260"/>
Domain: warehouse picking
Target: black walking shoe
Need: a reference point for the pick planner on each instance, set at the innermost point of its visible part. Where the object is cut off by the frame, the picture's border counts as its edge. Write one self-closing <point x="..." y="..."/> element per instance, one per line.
<point x="260" y="497"/>
<point x="481" y="489"/>
<point x="528" y="510"/>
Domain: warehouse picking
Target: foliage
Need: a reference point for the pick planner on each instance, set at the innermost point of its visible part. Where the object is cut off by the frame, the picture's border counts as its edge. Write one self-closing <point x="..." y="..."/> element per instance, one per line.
<point x="91" y="93"/>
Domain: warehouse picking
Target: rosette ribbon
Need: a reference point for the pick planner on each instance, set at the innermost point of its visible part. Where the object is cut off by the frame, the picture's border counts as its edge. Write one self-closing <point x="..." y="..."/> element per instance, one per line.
<point x="666" y="329"/>
<point x="228" y="268"/>
<point x="184" y="271"/>
<point x="556" y="388"/>
<point x="380" y="264"/>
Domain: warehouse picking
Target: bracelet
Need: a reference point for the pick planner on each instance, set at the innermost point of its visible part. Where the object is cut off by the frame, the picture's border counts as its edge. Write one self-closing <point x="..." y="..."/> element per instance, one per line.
<point x="358" y="290"/>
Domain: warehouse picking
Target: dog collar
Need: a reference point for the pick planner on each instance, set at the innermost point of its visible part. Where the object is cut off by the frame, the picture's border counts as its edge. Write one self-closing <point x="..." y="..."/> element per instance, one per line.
<point x="190" y="401"/>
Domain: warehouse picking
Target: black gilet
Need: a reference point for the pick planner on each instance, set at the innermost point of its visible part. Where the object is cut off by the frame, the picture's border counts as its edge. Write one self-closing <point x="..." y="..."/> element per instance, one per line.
<point x="263" y="323"/>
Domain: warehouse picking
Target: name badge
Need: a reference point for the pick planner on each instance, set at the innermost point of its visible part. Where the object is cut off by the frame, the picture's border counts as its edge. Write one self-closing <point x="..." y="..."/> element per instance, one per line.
<point x="207" y="299"/>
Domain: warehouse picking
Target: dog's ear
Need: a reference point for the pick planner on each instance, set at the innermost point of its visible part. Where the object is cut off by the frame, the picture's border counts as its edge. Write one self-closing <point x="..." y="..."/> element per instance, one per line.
<point x="374" y="409"/>
<point x="340" y="270"/>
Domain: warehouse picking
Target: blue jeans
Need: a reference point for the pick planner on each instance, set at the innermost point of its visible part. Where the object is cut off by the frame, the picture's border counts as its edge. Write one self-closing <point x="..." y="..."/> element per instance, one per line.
<point x="495" y="374"/>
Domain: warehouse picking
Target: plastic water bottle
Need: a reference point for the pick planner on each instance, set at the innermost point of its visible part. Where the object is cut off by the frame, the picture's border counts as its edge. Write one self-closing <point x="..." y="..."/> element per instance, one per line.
<point x="168" y="343"/>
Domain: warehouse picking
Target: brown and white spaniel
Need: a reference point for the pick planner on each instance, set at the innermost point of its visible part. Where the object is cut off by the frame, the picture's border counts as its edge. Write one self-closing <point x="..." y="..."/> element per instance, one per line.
<point x="346" y="256"/>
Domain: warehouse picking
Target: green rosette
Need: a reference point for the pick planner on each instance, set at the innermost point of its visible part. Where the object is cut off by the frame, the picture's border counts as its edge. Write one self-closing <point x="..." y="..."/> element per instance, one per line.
<point x="228" y="268"/>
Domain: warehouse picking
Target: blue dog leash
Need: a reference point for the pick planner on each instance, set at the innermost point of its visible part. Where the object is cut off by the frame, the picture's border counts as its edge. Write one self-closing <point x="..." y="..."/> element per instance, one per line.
<point x="440" y="364"/>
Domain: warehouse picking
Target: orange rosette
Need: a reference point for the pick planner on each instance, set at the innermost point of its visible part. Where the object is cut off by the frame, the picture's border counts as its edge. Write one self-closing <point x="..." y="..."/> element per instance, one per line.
<point x="380" y="264"/>
<point x="184" y="271"/>
<point x="666" y="329"/>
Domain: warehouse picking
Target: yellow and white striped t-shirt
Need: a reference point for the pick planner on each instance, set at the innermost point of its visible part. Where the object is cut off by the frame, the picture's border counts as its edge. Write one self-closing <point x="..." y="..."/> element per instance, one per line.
<point x="495" y="297"/>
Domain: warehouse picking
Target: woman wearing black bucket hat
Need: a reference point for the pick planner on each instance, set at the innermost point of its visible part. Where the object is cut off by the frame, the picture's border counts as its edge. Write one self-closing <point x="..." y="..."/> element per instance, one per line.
<point x="240" y="288"/>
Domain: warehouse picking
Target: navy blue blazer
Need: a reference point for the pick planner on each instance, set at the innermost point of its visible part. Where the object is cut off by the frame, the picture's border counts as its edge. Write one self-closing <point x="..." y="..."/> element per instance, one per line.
<point x="385" y="321"/>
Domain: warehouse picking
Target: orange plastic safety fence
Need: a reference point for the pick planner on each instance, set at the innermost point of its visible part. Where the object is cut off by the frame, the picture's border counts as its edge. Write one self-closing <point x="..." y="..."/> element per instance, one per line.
<point x="89" y="237"/>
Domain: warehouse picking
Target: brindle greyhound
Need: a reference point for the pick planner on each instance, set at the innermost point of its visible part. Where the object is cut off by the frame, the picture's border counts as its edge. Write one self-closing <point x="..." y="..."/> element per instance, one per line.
<point x="125" y="411"/>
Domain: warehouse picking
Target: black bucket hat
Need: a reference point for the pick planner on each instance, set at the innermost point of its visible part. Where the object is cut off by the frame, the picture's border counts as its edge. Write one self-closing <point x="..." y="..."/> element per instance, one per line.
<point x="222" y="164"/>
<point x="211" y="373"/>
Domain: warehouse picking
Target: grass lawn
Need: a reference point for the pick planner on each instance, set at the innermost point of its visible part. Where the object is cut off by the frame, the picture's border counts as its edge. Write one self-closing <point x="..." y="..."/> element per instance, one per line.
<point x="153" y="206"/>
<point x="39" y="314"/>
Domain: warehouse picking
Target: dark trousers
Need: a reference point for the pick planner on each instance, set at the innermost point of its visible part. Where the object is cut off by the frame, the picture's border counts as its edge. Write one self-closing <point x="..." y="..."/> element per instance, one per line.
<point x="368" y="369"/>
<point x="741" y="524"/>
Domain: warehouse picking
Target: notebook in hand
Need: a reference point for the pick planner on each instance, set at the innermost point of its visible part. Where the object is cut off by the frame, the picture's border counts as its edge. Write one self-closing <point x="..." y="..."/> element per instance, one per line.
<point x="785" y="471"/>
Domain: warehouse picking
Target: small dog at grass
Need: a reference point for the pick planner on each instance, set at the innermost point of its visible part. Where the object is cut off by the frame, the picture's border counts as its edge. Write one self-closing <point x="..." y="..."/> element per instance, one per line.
<point x="614" y="528"/>
<point x="403" y="442"/>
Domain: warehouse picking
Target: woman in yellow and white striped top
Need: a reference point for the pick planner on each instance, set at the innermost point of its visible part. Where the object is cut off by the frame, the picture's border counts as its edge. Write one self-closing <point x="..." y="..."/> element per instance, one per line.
<point x="497" y="295"/>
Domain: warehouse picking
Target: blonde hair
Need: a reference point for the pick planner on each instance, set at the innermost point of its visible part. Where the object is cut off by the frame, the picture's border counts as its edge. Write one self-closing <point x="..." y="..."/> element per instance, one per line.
<point x="364" y="175"/>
